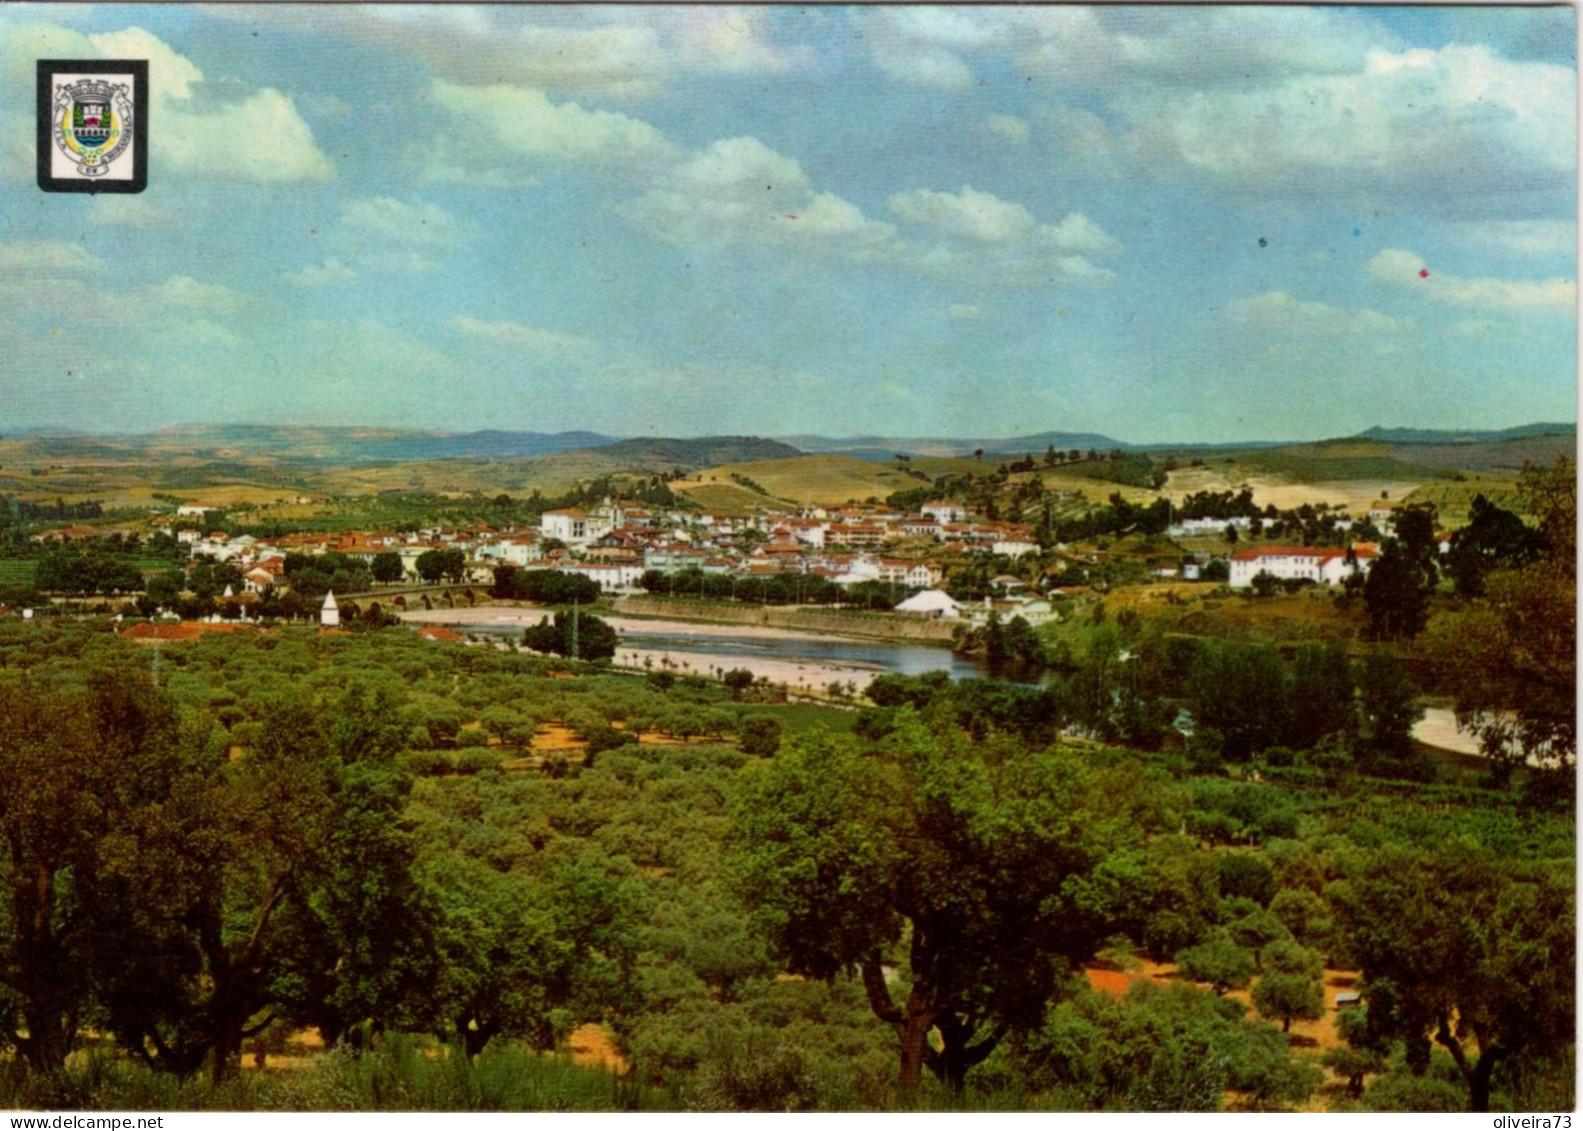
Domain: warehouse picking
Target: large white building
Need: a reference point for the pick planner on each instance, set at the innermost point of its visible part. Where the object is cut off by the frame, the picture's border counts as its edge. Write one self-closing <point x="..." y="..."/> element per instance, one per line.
<point x="944" y="511"/>
<point x="573" y="527"/>
<point x="612" y="577"/>
<point x="1323" y="565"/>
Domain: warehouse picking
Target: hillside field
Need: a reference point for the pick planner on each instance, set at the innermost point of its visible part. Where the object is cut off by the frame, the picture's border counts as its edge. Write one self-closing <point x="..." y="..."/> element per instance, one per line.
<point x="829" y="480"/>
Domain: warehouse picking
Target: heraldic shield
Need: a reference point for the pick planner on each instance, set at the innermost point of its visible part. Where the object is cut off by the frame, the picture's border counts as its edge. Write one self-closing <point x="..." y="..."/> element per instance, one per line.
<point x="92" y="125"/>
<point x="92" y="122"/>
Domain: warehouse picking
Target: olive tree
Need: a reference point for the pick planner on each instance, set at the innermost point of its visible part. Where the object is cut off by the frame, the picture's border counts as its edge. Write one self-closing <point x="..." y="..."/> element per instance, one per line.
<point x="963" y="865"/>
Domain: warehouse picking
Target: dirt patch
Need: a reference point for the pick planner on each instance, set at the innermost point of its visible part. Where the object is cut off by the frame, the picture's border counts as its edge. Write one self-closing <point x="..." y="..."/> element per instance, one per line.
<point x="595" y="1045"/>
<point x="1353" y="495"/>
<point x="1113" y="982"/>
<point x="556" y="738"/>
<point x="1308" y="1035"/>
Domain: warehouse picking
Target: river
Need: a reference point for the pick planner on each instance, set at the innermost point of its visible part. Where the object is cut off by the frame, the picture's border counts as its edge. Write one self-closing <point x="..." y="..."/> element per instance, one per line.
<point x="902" y="659"/>
<point x="778" y="655"/>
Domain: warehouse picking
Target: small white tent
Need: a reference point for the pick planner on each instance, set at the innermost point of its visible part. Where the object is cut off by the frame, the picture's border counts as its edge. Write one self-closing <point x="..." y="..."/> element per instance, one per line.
<point x="936" y="603"/>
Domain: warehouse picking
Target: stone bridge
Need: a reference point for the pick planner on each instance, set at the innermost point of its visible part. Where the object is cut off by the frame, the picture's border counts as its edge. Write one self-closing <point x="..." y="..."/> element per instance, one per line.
<point x="402" y="598"/>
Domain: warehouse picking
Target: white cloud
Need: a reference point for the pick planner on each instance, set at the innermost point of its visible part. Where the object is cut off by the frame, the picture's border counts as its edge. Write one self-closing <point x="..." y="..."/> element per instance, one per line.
<point x="615" y="52"/>
<point x="260" y="138"/>
<point x="525" y="122"/>
<point x="983" y="217"/>
<point x="966" y="312"/>
<point x="1481" y="329"/>
<point x="1296" y="102"/>
<point x="393" y="221"/>
<point x="171" y="75"/>
<point x="47" y="257"/>
<point x="1524" y="237"/>
<point x="1007" y="127"/>
<point x="196" y="136"/>
<point x="1404" y="269"/>
<point x="739" y="191"/>
<point x="923" y="46"/>
<point x="184" y="293"/>
<point x="331" y="273"/>
<point x="519" y="336"/>
<point x="734" y="41"/>
<point x="1100" y="46"/>
<point x="1279" y="313"/>
<point x="970" y="214"/>
<point x="132" y="210"/>
<point x="737" y="161"/>
<point x="1449" y="130"/>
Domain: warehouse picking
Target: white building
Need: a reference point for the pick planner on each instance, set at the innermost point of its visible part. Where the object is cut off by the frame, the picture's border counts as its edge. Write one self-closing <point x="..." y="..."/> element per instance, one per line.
<point x="574" y="527"/>
<point x="944" y="511"/>
<point x="1191" y="527"/>
<point x="612" y="577"/>
<point x="329" y="612"/>
<point x="1323" y="565"/>
<point x="936" y="604"/>
<point x="1013" y="546"/>
<point x="510" y="551"/>
<point x="259" y="581"/>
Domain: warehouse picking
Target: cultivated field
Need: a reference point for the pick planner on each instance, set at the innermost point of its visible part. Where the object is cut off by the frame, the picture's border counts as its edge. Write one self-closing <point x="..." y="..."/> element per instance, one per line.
<point x="830" y="480"/>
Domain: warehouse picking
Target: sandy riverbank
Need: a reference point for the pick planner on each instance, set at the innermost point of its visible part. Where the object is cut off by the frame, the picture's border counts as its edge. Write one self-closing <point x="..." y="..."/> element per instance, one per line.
<point x="501" y="616"/>
<point x="812" y="675"/>
<point x="1439" y="728"/>
<point x="794" y="673"/>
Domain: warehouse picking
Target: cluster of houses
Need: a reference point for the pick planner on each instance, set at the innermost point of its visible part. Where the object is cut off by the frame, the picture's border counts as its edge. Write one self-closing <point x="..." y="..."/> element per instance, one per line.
<point x="615" y="542"/>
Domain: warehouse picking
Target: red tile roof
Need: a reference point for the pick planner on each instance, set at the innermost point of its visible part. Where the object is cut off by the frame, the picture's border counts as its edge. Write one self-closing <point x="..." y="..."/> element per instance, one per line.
<point x="185" y="630"/>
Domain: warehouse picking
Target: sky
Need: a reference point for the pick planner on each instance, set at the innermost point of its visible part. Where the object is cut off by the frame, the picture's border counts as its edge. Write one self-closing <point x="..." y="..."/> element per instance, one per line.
<point x="1161" y="224"/>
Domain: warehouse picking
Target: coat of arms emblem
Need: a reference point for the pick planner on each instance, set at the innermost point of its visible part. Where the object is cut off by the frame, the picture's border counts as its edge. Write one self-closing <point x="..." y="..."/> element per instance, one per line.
<point x="92" y="125"/>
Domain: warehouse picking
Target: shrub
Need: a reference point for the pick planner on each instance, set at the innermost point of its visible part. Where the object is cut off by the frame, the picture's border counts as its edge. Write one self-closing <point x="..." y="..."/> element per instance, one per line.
<point x="1246" y="874"/>
<point x="474" y="760"/>
<point x="426" y="763"/>
<point x="759" y="735"/>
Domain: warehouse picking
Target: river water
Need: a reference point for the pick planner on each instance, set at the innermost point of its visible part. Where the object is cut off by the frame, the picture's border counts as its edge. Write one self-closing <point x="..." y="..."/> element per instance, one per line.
<point x="767" y="652"/>
<point x="902" y="659"/>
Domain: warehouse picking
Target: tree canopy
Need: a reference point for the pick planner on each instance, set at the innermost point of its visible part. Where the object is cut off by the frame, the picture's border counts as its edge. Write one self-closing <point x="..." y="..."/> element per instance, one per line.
<point x="968" y="866"/>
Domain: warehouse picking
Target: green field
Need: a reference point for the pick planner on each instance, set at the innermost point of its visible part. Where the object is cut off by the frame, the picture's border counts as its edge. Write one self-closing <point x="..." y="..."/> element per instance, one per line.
<point x="830" y="480"/>
<point x="17" y="572"/>
<point x="1315" y="465"/>
<point x="1452" y="498"/>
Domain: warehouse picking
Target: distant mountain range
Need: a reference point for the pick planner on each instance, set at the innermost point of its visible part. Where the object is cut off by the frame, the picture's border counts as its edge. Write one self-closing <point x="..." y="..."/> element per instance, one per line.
<point x="1441" y="436"/>
<point x="888" y="447"/>
<point x="310" y="445"/>
<point x="353" y="446"/>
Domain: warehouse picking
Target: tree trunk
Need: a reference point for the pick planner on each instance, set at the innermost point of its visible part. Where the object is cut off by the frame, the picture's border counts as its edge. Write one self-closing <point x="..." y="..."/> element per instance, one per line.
<point x="1476" y="1073"/>
<point x="44" y="973"/>
<point x="911" y="1026"/>
<point x="49" y="1034"/>
<point x="914" y="1034"/>
<point x="956" y="1054"/>
<point x="1479" y="1086"/>
<point x="227" y="1053"/>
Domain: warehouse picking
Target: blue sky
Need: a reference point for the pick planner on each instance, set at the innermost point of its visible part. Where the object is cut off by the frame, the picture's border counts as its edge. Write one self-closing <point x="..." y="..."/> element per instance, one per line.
<point x="1156" y="223"/>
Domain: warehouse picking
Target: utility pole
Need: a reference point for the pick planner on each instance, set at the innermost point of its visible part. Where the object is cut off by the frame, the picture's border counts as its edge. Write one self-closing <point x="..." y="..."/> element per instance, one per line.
<point x="574" y="628"/>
